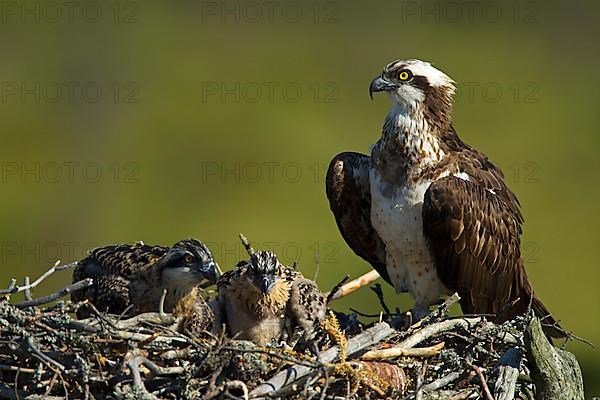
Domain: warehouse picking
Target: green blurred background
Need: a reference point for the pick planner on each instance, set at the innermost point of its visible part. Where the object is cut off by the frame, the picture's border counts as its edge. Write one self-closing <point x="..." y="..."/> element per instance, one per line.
<point x="149" y="121"/>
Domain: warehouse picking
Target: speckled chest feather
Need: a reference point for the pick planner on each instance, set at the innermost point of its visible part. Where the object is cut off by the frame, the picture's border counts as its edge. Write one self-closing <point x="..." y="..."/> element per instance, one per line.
<point x="252" y="315"/>
<point x="405" y="163"/>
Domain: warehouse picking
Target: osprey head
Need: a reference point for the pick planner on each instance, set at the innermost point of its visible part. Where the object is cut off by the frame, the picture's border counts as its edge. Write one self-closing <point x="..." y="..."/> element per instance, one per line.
<point x="188" y="263"/>
<point x="413" y="84"/>
<point x="263" y="271"/>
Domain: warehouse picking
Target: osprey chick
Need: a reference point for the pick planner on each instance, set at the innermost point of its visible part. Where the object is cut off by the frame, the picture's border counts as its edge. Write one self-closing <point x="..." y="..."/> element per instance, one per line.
<point x="261" y="297"/>
<point x="136" y="275"/>
<point x="430" y="213"/>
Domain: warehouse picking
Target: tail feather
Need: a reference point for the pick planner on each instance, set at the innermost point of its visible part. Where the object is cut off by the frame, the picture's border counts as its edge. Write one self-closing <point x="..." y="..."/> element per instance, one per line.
<point x="522" y="305"/>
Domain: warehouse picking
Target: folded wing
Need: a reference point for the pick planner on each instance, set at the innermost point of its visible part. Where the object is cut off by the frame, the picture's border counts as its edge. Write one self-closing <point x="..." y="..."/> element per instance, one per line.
<point x="349" y="194"/>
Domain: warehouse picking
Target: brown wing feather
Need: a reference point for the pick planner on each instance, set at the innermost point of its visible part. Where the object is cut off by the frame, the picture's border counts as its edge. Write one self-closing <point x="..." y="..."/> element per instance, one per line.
<point x="119" y="261"/>
<point x="474" y="232"/>
<point x="126" y="259"/>
<point x="349" y="194"/>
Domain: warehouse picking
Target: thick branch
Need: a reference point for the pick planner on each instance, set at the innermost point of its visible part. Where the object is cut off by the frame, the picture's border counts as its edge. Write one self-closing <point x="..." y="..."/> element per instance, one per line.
<point x="555" y="372"/>
<point x="431" y="330"/>
<point x="508" y="373"/>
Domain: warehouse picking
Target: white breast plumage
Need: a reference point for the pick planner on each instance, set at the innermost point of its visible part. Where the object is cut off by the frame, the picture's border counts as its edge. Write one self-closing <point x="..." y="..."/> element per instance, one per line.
<point x="396" y="216"/>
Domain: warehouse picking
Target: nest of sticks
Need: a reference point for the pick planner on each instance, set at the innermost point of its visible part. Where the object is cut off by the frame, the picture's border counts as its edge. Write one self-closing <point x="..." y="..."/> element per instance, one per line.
<point x="45" y="352"/>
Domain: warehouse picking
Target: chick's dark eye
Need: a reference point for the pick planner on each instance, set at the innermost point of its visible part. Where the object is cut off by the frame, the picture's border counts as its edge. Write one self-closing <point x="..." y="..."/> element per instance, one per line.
<point x="404" y="75"/>
<point x="188" y="259"/>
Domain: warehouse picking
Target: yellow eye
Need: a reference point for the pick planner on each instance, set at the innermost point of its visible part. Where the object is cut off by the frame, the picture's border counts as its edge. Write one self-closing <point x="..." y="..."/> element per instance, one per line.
<point x="404" y="75"/>
<point x="188" y="259"/>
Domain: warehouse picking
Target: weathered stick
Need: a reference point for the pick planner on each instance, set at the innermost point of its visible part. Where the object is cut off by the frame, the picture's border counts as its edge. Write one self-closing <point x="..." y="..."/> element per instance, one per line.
<point x="443" y="326"/>
<point x="92" y="324"/>
<point x="155" y="370"/>
<point x="66" y="266"/>
<point x="11" y="286"/>
<point x="141" y="337"/>
<point x="396" y="351"/>
<point x="438" y="312"/>
<point x="355" y="284"/>
<point x="15" y="369"/>
<point x="26" y="282"/>
<point x="440" y="383"/>
<point x="16" y="289"/>
<point x="35" y="351"/>
<point x="359" y="342"/>
<point x="555" y="372"/>
<point x="120" y="327"/>
<point x="482" y="381"/>
<point x="246" y="244"/>
<point x="55" y="296"/>
<point x="507" y="374"/>
<point x="333" y="293"/>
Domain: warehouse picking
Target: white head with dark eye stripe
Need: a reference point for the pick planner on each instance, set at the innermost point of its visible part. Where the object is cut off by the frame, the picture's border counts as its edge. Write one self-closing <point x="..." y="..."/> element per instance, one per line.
<point x="188" y="263"/>
<point x="415" y="85"/>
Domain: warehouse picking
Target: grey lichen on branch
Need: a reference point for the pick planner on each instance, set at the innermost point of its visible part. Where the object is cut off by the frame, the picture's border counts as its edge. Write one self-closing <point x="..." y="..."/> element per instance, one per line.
<point x="555" y="372"/>
<point x="507" y="370"/>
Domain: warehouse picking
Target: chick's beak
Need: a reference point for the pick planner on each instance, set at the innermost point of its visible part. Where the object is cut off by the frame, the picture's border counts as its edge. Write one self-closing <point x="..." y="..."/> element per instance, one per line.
<point x="380" y="84"/>
<point x="210" y="273"/>
<point x="266" y="284"/>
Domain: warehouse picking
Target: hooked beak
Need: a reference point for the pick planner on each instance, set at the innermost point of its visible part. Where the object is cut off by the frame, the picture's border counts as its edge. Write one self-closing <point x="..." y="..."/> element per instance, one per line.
<point x="266" y="284"/>
<point x="380" y="84"/>
<point x="210" y="273"/>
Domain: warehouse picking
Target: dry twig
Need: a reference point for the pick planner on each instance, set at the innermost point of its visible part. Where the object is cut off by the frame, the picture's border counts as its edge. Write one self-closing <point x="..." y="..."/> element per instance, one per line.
<point x="441" y="382"/>
<point x="356" y="284"/>
<point x="396" y="351"/>
<point x="246" y="244"/>
<point x="57" y="295"/>
<point x="12" y="288"/>
<point x="483" y="383"/>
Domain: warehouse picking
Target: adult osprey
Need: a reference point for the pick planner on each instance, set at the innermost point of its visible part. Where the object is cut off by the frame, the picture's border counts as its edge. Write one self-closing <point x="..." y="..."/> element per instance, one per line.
<point x="430" y="213"/>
